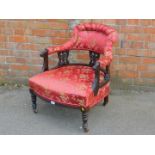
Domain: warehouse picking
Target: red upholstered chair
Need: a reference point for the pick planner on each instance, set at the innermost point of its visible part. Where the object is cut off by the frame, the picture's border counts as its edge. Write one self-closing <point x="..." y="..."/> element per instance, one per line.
<point x="77" y="85"/>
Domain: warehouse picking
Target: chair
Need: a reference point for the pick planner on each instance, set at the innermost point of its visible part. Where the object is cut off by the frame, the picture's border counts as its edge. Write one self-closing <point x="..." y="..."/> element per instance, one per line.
<point x="79" y="86"/>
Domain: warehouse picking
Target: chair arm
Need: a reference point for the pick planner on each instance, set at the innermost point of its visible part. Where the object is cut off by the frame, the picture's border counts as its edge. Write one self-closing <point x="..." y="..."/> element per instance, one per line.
<point x="96" y="83"/>
<point x="44" y="54"/>
<point x="65" y="47"/>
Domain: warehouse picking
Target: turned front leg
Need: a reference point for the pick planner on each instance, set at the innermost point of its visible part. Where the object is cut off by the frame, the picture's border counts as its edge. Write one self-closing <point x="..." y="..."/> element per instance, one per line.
<point x="34" y="100"/>
<point x="85" y="120"/>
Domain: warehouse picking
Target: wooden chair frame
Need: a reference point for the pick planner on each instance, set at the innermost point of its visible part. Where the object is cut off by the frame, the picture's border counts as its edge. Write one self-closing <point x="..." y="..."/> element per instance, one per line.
<point x="96" y="85"/>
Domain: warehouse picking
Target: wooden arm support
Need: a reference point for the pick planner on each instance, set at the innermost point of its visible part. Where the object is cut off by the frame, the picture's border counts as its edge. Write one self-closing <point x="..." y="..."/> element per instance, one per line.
<point x="96" y="84"/>
<point x="44" y="54"/>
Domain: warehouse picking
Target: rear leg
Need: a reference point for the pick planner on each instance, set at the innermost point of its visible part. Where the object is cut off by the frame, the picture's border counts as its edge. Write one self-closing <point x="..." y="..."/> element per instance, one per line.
<point x="106" y="100"/>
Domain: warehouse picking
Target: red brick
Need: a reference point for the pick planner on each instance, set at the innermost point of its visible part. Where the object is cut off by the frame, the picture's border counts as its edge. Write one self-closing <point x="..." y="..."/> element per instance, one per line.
<point x="127" y="67"/>
<point x="142" y="67"/>
<point x="2" y="59"/>
<point x="148" y="74"/>
<point x="115" y="59"/>
<point x="149" y="60"/>
<point x="129" y="60"/>
<point x="2" y="73"/>
<point x="35" y="61"/>
<point x="138" y="37"/>
<point x="5" y="52"/>
<point x="121" y="22"/>
<point x="151" y="68"/>
<point x="18" y="38"/>
<point x="58" y="20"/>
<point x="4" y="66"/>
<point x="15" y="60"/>
<point x="133" y="21"/>
<point x="131" y="29"/>
<point x="128" y="74"/>
<point x="131" y="52"/>
<point x="83" y="56"/>
<point x="150" y="30"/>
<point x="145" y="22"/>
<point x="137" y="45"/>
<point x="152" y="36"/>
<point x="59" y="41"/>
<point x="27" y="47"/>
<point x="2" y="23"/>
<point x="19" y="67"/>
<point x="40" y="32"/>
<point x="62" y="34"/>
<point x="56" y="25"/>
<point x="131" y="67"/>
<point x="120" y="51"/>
<point x="2" y="38"/>
<point x="107" y="21"/>
<point x="16" y="23"/>
<point x="35" y="68"/>
<point x="19" y="31"/>
<point x="150" y="53"/>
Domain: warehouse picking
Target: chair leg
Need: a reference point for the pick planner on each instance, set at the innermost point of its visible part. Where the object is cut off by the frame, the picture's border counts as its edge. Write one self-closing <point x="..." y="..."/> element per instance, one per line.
<point x="85" y="120"/>
<point x="106" y="100"/>
<point x="34" y="99"/>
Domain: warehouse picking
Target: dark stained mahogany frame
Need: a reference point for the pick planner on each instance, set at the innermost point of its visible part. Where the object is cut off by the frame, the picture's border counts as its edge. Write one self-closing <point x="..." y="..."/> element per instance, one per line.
<point x="96" y="85"/>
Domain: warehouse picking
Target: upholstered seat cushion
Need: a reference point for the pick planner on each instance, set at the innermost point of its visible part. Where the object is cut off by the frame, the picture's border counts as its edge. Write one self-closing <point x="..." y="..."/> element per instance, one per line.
<point x="69" y="85"/>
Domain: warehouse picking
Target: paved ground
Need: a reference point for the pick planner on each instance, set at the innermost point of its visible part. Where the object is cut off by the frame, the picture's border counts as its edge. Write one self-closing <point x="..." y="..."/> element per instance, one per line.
<point x="129" y="112"/>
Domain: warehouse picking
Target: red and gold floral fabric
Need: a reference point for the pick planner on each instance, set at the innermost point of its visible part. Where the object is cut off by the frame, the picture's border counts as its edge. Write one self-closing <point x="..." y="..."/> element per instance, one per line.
<point x="89" y="36"/>
<point x="94" y="37"/>
<point x="72" y="85"/>
<point x="69" y="85"/>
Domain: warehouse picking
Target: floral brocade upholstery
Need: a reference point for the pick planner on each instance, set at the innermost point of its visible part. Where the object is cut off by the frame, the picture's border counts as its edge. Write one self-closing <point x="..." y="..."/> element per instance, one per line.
<point x="69" y="85"/>
<point x="72" y="84"/>
<point x="91" y="37"/>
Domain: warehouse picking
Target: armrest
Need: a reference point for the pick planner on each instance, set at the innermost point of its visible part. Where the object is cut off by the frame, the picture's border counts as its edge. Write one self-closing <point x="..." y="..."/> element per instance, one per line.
<point x="96" y="83"/>
<point x="44" y="54"/>
<point x="65" y="47"/>
<point x="106" y="60"/>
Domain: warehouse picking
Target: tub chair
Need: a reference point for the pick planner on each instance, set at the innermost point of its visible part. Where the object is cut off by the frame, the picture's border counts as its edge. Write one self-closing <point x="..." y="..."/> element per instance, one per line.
<point x="77" y="85"/>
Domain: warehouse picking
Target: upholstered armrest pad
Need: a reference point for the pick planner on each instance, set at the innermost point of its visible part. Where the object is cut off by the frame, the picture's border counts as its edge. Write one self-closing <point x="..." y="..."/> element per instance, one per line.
<point x="65" y="47"/>
<point x="106" y="60"/>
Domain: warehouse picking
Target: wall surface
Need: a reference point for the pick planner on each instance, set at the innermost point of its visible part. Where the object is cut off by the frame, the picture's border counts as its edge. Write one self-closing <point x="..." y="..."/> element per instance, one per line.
<point x="22" y="40"/>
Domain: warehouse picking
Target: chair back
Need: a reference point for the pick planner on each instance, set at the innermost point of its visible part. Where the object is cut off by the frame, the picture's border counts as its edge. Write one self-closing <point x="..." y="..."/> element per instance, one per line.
<point x="94" y="37"/>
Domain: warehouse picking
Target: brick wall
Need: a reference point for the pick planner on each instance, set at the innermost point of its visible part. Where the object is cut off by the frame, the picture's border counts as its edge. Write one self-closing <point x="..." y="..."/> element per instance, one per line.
<point x="22" y="40"/>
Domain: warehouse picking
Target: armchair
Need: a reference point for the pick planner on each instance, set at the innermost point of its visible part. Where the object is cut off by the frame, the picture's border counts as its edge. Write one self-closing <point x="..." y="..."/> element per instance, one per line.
<point x="80" y="86"/>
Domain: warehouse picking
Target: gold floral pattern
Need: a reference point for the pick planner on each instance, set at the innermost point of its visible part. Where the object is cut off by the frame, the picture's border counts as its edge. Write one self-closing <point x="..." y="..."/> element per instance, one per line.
<point x="72" y="85"/>
<point x="69" y="85"/>
<point x="89" y="36"/>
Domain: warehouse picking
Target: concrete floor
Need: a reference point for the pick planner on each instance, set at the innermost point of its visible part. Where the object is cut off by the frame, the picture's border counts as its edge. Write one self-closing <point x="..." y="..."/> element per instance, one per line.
<point x="128" y="112"/>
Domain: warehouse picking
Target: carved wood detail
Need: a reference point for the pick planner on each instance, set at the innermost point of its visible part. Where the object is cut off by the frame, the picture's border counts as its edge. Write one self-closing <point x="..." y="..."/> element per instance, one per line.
<point x="63" y="58"/>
